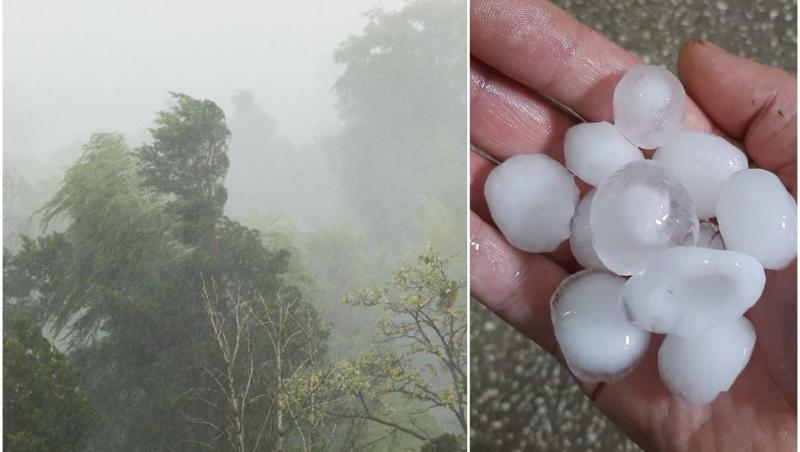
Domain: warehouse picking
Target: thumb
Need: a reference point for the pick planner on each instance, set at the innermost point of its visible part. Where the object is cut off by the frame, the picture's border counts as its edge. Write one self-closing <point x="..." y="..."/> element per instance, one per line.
<point x="750" y="102"/>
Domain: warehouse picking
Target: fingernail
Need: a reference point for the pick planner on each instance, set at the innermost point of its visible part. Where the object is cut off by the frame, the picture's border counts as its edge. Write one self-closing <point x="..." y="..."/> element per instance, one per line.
<point x="703" y="42"/>
<point x="696" y="41"/>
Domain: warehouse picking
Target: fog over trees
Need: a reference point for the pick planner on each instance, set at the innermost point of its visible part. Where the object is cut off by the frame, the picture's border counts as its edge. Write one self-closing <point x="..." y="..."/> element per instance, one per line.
<point x="244" y="231"/>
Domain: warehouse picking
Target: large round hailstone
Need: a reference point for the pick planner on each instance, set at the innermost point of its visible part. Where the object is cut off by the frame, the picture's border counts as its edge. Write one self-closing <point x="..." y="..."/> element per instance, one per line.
<point x="532" y="198"/>
<point x="649" y="106"/>
<point x="640" y="211"/>
<point x="702" y="162"/>
<point x="687" y="291"/>
<point x="757" y="216"/>
<point x="598" y="342"/>
<point x="696" y="370"/>
<point x="580" y="238"/>
<point x="594" y="151"/>
<point x="709" y="236"/>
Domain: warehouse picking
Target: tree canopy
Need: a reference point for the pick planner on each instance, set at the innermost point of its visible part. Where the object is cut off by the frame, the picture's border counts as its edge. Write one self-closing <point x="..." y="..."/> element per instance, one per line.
<point x="403" y="110"/>
<point x="44" y="408"/>
<point x="125" y="279"/>
<point x="179" y="323"/>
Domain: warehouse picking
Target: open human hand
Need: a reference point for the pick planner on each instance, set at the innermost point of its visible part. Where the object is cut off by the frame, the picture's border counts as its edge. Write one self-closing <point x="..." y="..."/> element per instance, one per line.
<point x="528" y="56"/>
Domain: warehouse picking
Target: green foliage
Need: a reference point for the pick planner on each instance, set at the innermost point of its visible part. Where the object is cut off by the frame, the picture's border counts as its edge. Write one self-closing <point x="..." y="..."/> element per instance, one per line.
<point x="265" y="350"/>
<point x="188" y="158"/>
<point x="446" y="442"/>
<point x="112" y="281"/>
<point x="30" y="275"/>
<point x="188" y="155"/>
<point x="384" y="61"/>
<point x="444" y="228"/>
<point x="282" y="235"/>
<point x="124" y="280"/>
<point x="341" y="262"/>
<point x="115" y="224"/>
<point x="422" y="295"/>
<point x="403" y="127"/>
<point x="142" y="232"/>
<point x="324" y="265"/>
<point x="393" y="388"/>
<point x="44" y="409"/>
<point x="421" y="353"/>
<point x="341" y="259"/>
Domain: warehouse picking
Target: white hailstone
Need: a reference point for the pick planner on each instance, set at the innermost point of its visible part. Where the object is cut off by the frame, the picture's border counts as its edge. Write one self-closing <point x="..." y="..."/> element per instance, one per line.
<point x="709" y="236"/>
<point x="640" y="211"/>
<point x="532" y="198"/>
<point x="597" y="341"/>
<point x="594" y="151"/>
<point x="757" y="216"/>
<point x="580" y="238"/>
<point x="702" y="162"/>
<point x="687" y="291"/>
<point x="649" y="105"/>
<point x="696" y="370"/>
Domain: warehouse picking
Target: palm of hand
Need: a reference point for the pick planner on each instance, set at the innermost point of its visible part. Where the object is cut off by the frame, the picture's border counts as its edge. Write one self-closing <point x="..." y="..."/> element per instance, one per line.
<point x="510" y="113"/>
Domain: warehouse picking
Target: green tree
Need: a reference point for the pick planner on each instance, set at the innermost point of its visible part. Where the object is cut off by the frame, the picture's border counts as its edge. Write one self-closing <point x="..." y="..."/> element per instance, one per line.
<point x="403" y="111"/>
<point x="115" y="224"/>
<point x="123" y="283"/>
<point x="44" y="409"/>
<point x="189" y="153"/>
<point x="109" y="284"/>
<point x="341" y="262"/>
<point x="420" y="355"/>
<point x="188" y="158"/>
<point x="446" y="442"/>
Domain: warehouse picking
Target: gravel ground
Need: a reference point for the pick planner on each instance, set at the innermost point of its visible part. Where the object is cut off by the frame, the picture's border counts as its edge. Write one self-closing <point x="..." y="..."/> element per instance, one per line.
<point x="521" y="399"/>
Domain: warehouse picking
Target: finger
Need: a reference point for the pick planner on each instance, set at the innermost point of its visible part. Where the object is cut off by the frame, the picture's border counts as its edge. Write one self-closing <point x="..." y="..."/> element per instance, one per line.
<point x="507" y="119"/>
<point x="514" y="285"/>
<point x="776" y="314"/>
<point x="479" y="170"/>
<point x="751" y="102"/>
<point x="546" y="49"/>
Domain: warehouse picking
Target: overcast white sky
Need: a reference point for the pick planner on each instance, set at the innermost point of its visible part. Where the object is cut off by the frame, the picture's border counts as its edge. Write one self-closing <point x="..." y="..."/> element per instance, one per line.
<point x="73" y="67"/>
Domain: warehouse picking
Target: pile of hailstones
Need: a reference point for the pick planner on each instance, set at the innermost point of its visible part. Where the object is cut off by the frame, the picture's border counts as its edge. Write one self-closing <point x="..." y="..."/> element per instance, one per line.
<point x="693" y="227"/>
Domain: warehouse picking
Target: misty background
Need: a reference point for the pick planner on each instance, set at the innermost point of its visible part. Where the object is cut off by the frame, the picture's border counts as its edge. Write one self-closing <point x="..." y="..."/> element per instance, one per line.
<point x="74" y="68"/>
<point x="80" y="66"/>
<point x="346" y="158"/>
